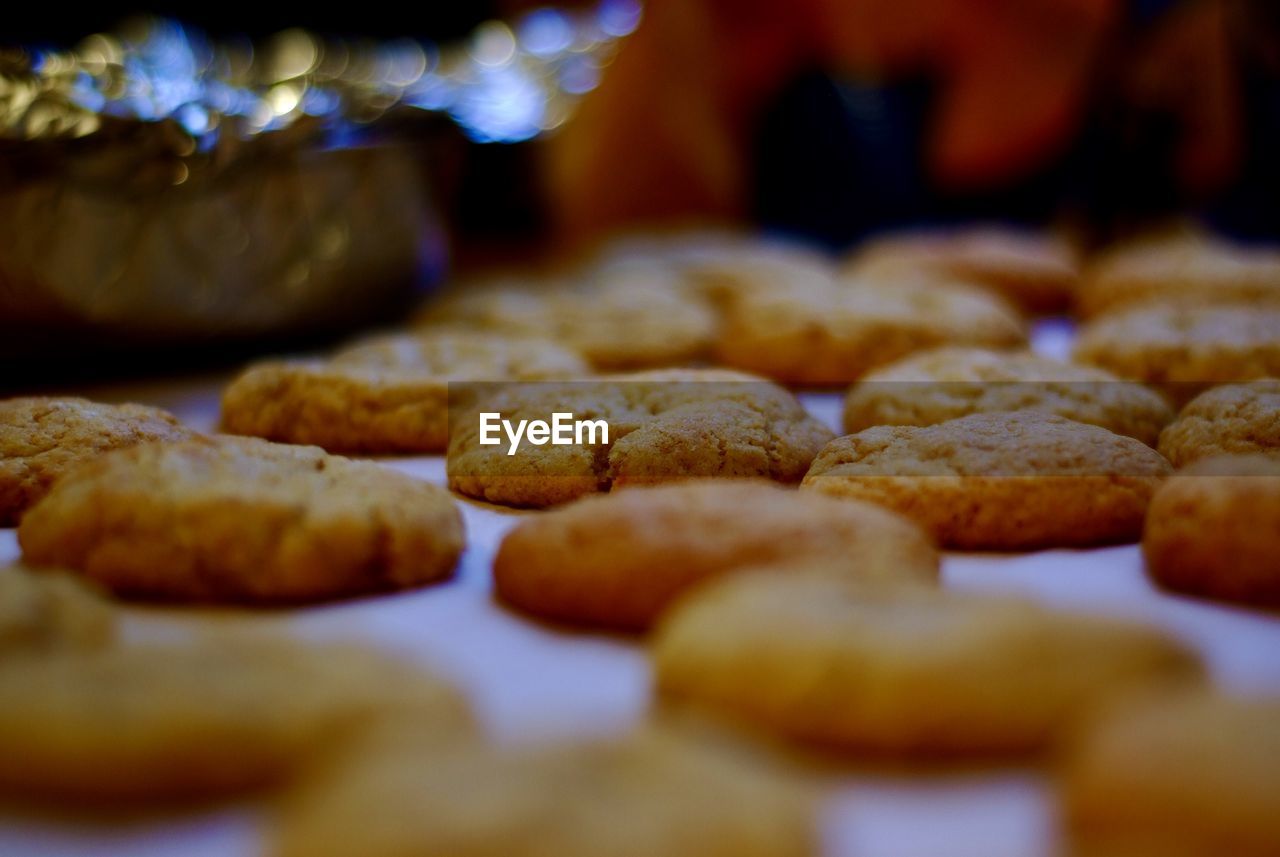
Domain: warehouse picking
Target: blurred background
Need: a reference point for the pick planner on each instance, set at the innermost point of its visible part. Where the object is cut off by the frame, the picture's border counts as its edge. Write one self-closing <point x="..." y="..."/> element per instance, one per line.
<point x="251" y="173"/>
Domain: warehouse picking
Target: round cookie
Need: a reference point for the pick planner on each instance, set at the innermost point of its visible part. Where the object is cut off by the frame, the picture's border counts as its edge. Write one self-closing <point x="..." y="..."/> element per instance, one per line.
<point x="1235" y="419"/>
<point x="1213" y="529"/>
<point x="827" y="662"/>
<point x="47" y="611"/>
<point x="947" y="383"/>
<point x="1036" y="271"/>
<point x="1004" y="481"/>
<point x="663" y="426"/>
<point x="1184" y="268"/>
<point x="1185" y="349"/>
<point x="618" y="320"/>
<point x="42" y="437"/>
<point x="619" y="561"/>
<point x="639" y="796"/>
<point x="243" y="520"/>
<point x="386" y="394"/>
<point x="1176" y="774"/>
<point x="822" y="332"/>
<point x="196" y="720"/>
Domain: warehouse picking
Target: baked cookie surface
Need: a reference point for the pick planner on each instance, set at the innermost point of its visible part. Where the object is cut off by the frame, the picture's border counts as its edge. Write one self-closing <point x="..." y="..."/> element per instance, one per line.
<point x="638" y="796"/>
<point x="1036" y="271"/>
<point x="1213" y="529"/>
<point x="243" y="520"/>
<point x="1176" y="774"/>
<point x="385" y="394"/>
<point x="663" y="425"/>
<point x="203" y="719"/>
<point x="1185" y="349"/>
<point x="827" y="662"/>
<point x="947" y="383"/>
<point x="825" y="332"/>
<point x="1004" y="481"/>
<point x="618" y="561"/>
<point x="1234" y="419"/>
<point x="43" y="437"/>
<point x="47" y="611"/>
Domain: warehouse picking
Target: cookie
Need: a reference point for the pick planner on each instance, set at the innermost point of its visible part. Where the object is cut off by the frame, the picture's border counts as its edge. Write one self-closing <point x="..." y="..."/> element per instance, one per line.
<point x="618" y="320"/>
<point x="663" y="425"/>
<point x="243" y="520"/>
<point x="1235" y="419"/>
<point x="384" y="395"/>
<point x="826" y="662"/>
<point x="1036" y="271"/>
<point x="1005" y="481"/>
<point x="1213" y="529"/>
<point x="820" y="332"/>
<point x="638" y="796"/>
<point x="1185" y="268"/>
<point x="41" y="438"/>
<point x="1176" y="774"/>
<point x="202" y="719"/>
<point x="946" y="383"/>
<point x="47" y="611"/>
<point x="1185" y="349"/>
<point x="619" y="561"/>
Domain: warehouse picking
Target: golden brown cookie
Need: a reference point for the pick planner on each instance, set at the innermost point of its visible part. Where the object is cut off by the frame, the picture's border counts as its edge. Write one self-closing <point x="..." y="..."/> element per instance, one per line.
<point x="663" y="426"/>
<point x="43" y="437"/>
<point x="48" y="611"/>
<point x="211" y="718"/>
<point x="1176" y="774"/>
<point x="832" y="332"/>
<point x="619" y="561"/>
<point x="243" y="520"/>
<point x="386" y="394"/>
<point x="1235" y="419"/>
<point x="620" y="319"/>
<point x="1002" y="481"/>
<point x="1185" y="349"/>
<point x="1186" y="268"/>
<point x="1213" y="529"/>
<point x="639" y="796"/>
<point x="1036" y="271"/>
<point x="828" y="662"/>
<point x="946" y="383"/>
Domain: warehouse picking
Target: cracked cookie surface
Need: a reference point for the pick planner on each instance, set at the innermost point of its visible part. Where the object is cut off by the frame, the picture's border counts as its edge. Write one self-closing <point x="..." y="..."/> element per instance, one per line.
<point x="1235" y="419"/>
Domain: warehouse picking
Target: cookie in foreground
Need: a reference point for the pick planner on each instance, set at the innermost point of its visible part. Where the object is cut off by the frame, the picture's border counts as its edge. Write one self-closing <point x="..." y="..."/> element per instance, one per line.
<point x="1019" y="480"/>
<point x="48" y="611"/>
<point x="43" y="437"/>
<point x="833" y="664"/>
<point x="243" y="520"/>
<point x="619" y="561"/>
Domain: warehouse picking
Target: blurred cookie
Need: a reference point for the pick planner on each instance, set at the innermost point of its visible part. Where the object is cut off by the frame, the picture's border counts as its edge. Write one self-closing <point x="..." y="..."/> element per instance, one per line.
<point x="619" y="561"/>
<point x="1213" y="529"/>
<point x="663" y="426"/>
<point x="43" y="437"/>
<point x="1186" y="268"/>
<point x="1036" y="271"/>
<point x="832" y="332"/>
<point x="243" y="520"/>
<point x="638" y="796"/>
<point x="196" y="720"/>
<point x="1235" y="419"/>
<point x="387" y="394"/>
<point x="623" y="319"/>
<point x="1176" y="774"/>
<point x="828" y="662"/>
<point x="49" y="611"/>
<point x="1003" y="481"/>
<point x="1185" y="349"/>
<point x="946" y="383"/>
